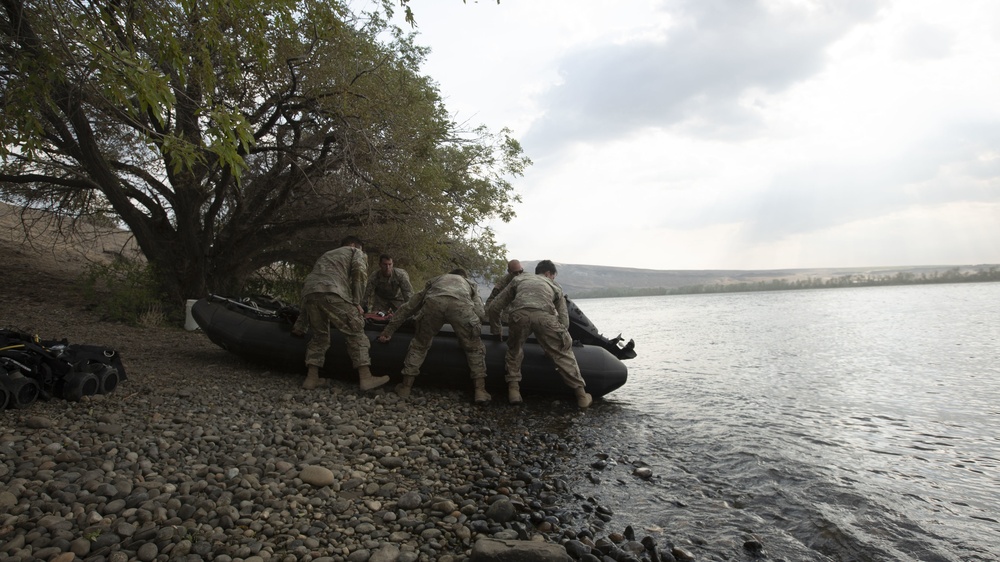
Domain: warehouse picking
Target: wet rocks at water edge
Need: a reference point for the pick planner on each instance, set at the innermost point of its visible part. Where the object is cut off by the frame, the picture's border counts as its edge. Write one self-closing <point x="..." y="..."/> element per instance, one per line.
<point x="255" y="469"/>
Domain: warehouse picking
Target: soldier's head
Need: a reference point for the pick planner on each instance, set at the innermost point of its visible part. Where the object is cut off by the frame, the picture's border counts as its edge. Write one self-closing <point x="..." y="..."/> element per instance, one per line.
<point x="514" y="266"/>
<point x="459" y="271"/>
<point x="546" y="268"/>
<point x="352" y="241"/>
<point x="385" y="264"/>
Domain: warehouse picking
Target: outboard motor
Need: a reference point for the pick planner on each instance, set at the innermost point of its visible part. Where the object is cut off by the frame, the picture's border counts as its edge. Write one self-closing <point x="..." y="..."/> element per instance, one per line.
<point x="584" y="331"/>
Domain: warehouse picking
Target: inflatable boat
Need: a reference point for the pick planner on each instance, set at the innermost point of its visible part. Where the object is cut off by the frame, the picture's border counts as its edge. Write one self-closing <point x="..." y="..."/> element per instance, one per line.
<point x="260" y="330"/>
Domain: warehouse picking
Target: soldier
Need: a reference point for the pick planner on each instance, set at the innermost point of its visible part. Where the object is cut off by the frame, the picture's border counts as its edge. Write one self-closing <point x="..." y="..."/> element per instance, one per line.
<point x="537" y="305"/>
<point x="331" y="294"/>
<point x="454" y="299"/>
<point x="513" y="270"/>
<point x="388" y="288"/>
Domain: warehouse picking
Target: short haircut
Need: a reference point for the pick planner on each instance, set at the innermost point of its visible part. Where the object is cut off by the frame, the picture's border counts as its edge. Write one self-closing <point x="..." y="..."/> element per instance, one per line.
<point x="384" y="257"/>
<point x="351" y="239"/>
<point x="459" y="271"/>
<point x="545" y="266"/>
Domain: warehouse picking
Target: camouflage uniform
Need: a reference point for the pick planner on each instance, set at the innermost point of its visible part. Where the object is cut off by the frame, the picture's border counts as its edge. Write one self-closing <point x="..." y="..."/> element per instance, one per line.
<point x="501" y="316"/>
<point x="388" y="293"/>
<point x="451" y="299"/>
<point x="537" y="305"/>
<point x="331" y="295"/>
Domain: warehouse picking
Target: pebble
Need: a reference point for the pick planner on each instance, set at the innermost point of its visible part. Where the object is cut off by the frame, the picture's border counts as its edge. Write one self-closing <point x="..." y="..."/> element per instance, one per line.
<point x="226" y="471"/>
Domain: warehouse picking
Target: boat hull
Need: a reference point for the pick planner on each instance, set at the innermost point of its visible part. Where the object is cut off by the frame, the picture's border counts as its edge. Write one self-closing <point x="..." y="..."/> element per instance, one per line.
<point x="268" y="340"/>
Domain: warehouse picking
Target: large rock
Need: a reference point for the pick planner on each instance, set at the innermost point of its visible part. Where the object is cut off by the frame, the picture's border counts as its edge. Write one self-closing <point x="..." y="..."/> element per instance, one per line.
<point x="501" y="511"/>
<point x="317" y="475"/>
<point x="409" y="500"/>
<point x="494" y="550"/>
<point x="387" y="553"/>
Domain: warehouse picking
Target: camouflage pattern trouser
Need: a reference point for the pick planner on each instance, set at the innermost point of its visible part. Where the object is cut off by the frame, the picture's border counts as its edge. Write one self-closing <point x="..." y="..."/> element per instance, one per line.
<point x="551" y="335"/>
<point x="327" y="309"/>
<point x="462" y="317"/>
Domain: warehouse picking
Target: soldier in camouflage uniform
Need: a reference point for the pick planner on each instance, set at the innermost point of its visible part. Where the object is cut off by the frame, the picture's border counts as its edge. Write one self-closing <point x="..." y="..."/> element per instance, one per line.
<point x="331" y="295"/>
<point x="537" y="304"/>
<point x="388" y="288"/>
<point x="454" y="299"/>
<point x="513" y="270"/>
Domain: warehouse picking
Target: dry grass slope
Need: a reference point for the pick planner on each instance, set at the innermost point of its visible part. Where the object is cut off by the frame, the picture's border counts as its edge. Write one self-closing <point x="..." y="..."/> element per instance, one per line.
<point x="41" y="294"/>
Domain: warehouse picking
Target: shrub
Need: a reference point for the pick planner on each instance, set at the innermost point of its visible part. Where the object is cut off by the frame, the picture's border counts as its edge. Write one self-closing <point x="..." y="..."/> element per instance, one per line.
<point x="126" y="290"/>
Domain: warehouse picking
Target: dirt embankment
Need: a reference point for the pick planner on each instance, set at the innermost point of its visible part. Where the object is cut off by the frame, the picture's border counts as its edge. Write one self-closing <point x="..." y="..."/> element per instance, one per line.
<point x="42" y="259"/>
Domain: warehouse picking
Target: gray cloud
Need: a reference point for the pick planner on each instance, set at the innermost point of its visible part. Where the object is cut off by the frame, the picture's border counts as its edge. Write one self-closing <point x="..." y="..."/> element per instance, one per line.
<point x="832" y="194"/>
<point x="719" y="50"/>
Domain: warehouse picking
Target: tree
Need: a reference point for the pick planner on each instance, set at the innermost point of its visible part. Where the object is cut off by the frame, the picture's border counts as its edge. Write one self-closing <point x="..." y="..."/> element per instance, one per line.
<point x="228" y="135"/>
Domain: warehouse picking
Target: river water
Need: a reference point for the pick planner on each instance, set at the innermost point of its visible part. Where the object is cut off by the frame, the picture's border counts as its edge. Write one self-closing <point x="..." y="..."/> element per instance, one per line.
<point x="844" y="424"/>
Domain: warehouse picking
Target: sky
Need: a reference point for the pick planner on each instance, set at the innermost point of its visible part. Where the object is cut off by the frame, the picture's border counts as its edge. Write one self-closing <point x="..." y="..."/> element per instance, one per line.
<point x="735" y="134"/>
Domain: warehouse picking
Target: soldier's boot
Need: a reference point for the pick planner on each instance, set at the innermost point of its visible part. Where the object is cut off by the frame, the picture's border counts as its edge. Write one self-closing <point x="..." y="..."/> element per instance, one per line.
<point x="369" y="382"/>
<point x="513" y="392"/>
<point x="403" y="389"/>
<point x="481" y="396"/>
<point x="583" y="399"/>
<point x="312" y="379"/>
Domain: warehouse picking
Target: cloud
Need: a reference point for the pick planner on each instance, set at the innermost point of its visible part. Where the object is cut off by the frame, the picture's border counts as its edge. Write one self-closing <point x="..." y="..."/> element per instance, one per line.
<point x="923" y="41"/>
<point x="956" y="165"/>
<point x="740" y="133"/>
<point x="695" y="72"/>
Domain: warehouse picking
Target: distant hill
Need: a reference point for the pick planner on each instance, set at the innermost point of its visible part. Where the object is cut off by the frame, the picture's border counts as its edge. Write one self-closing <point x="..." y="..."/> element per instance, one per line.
<point x="31" y="240"/>
<point x="583" y="281"/>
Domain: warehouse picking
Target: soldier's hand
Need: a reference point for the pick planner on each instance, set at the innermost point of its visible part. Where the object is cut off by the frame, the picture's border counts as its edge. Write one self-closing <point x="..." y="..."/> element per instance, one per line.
<point x="384" y="338"/>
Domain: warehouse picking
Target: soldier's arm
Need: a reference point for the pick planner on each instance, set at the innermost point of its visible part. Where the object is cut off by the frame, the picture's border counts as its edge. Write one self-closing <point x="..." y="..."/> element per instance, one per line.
<point x="499" y="303"/>
<point x="500" y="286"/>
<point x="404" y="284"/>
<point x="359" y="276"/>
<point x="402" y="314"/>
<point x="561" y="309"/>
<point x="477" y="301"/>
<point x="369" y="291"/>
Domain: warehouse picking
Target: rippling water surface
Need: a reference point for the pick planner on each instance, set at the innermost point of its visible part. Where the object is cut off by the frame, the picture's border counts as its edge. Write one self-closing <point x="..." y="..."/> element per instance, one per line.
<point x="845" y="424"/>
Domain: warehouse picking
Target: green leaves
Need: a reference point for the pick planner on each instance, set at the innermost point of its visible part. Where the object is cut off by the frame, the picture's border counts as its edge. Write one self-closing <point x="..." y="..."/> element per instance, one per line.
<point x="234" y="134"/>
<point x="228" y="137"/>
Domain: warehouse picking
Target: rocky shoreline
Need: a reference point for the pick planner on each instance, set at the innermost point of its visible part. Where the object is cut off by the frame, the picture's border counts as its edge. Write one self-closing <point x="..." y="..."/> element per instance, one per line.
<point x="228" y="462"/>
<point x="202" y="456"/>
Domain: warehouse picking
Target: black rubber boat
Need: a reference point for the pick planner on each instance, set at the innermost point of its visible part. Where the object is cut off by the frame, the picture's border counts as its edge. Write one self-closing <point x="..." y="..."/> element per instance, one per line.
<point x="260" y="330"/>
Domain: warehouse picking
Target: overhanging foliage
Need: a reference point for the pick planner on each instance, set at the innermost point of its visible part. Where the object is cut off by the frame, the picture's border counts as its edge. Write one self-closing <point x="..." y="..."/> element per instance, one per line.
<point x="229" y="135"/>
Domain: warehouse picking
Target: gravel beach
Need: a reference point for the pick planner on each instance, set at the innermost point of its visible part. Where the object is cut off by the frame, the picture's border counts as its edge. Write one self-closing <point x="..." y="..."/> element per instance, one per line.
<point x="202" y="456"/>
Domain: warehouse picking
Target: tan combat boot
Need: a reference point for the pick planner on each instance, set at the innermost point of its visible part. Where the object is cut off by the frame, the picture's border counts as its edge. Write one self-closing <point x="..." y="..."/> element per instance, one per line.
<point x="369" y="382"/>
<point x="312" y="379"/>
<point x="583" y="399"/>
<point x="513" y="392"/>
<point x="481" y="396"/>
<point x="403" y="389"/>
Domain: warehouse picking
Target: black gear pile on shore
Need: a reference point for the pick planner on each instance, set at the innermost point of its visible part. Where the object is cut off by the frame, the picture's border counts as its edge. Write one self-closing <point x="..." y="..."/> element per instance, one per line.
<point x="32" y="369"/>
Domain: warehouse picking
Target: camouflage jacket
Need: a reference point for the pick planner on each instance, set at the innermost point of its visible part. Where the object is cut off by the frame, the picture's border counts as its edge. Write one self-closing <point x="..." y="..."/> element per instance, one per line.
<point x="447" y="286"/>
<point x="532" y="292"/>
<point x="342" y="272"/>
<point x="396" y="288"/>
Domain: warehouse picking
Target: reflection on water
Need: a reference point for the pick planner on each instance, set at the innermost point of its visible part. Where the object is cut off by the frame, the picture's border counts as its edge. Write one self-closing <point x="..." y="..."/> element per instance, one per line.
<point x="848" y="424"/>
